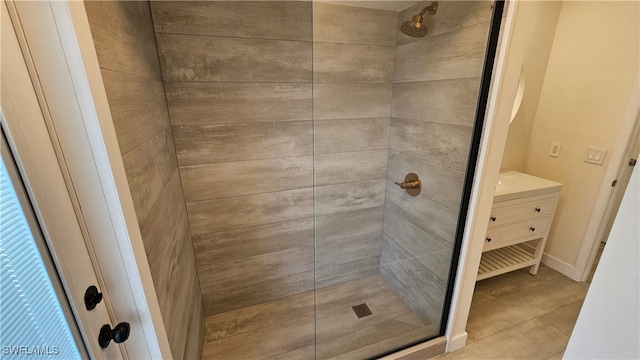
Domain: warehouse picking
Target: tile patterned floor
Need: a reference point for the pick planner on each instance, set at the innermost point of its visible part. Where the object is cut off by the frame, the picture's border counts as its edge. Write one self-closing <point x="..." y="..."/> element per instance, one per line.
<point x="520" y="316"/>
<point x="293" y="328"/>
<point x="513" y="316"/>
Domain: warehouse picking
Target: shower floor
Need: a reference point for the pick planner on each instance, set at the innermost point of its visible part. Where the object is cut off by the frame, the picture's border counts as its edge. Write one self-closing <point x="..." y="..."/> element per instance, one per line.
<point x="287" y="328"/>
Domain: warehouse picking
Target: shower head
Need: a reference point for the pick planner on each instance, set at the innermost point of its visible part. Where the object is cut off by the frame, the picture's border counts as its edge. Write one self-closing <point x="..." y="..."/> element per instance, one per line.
<point x="415" y="27"/>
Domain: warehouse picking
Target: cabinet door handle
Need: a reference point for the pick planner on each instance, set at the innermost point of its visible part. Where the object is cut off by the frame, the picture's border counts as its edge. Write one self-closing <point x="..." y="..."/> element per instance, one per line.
<point x="493" y="219"/>
<point x="488" y="239"/>
<point x="532" y="228"/>
<point x="538" y="209"/>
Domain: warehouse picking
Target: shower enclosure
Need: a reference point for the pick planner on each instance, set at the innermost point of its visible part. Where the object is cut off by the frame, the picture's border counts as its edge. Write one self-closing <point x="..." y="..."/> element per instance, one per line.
<point x="262" y="143"/>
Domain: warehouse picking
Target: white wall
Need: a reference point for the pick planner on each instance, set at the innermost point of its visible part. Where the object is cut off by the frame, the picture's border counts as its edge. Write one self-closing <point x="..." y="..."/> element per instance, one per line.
<point x="544" y="18"/>
<point x="590" y="74"/>
<point x="608" y="326"/>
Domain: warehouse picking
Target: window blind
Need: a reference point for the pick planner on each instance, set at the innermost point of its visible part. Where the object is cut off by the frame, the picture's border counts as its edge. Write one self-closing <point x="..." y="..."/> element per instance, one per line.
<point x="32" y="324"/>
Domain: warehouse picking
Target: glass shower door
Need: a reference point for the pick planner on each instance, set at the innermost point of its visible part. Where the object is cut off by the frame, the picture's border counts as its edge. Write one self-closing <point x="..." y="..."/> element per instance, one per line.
<point x="394" y="116"/>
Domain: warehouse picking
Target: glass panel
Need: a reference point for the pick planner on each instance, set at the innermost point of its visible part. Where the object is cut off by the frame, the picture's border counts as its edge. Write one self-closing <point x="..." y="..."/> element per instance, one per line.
<point x="33" y="323"/>
<point x="386" y="105"/>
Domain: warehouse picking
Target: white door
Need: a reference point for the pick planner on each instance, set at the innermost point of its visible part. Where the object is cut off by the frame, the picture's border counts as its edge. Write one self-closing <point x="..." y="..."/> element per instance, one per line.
<point x="55" y="40"/>
<point x="39" y="181"/>
<point x="622" y="180"/>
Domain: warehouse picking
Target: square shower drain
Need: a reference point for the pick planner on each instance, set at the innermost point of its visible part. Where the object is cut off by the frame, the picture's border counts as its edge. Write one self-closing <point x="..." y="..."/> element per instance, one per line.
<point x="361" y="310"/>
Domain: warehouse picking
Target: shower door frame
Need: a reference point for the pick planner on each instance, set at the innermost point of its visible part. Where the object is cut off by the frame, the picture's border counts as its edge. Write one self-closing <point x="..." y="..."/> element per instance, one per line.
<point x="474" y="158"/>
<point x="500" y="103"/>
<point x="492" y="82"/>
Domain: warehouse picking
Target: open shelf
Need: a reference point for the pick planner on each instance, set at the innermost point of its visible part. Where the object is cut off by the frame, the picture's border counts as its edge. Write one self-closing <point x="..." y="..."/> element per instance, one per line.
<point x="503" y="260"/>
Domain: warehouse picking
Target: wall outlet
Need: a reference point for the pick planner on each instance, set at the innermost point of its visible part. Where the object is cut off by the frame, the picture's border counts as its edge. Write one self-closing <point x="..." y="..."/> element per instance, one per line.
<point x="595" y="156"/>
<point x="554" y="151"/>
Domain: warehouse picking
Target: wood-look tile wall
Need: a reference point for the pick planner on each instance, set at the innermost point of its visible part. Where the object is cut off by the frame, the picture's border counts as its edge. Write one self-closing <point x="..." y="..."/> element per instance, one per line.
<point x="353" y="62"/>
<point x="126" y="48"/>
<point x="250" y="106"/>
<point x="238" y="78"/>
<point x="435" y="91"/>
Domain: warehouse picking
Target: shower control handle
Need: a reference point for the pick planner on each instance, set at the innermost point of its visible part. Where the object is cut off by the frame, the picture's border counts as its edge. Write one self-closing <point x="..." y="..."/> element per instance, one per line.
<point x="411" y="184"/>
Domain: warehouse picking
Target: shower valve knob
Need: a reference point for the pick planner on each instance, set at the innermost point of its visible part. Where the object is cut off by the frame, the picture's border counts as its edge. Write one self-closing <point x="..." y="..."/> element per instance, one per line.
<point x="411" y="184"/>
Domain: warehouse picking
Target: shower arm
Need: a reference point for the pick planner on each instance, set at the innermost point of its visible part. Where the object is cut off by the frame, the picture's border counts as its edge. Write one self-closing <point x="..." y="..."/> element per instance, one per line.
<point x="432" y="9"/>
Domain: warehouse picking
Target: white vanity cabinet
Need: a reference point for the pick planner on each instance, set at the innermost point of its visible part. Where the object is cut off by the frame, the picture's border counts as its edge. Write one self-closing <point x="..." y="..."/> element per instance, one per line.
<point x="523" y="208"/>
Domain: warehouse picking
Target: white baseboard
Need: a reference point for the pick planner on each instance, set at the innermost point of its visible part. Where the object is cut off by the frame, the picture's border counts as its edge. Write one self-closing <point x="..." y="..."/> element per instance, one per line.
<point x="457" y="342"/>
<point x="559" y="265"/>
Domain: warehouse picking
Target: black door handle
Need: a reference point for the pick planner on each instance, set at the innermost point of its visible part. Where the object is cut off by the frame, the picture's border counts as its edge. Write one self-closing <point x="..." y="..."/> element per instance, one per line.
<point x="119" y="334"/>
<point x="92" y="297"/>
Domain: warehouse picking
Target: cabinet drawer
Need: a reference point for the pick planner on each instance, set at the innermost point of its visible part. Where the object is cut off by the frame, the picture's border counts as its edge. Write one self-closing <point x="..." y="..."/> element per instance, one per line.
<point x="516" y="212"/>
<point x="496" y="237"/>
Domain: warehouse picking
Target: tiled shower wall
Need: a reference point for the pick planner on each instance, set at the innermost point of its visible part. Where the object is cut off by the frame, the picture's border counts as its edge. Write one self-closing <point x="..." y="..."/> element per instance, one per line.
<point x="126" y="49"/>
<point x="238" y="77"/>
<point x="435" y="91"/>
<point x="353" y="57"/>
<point x="251" y="89"/>
<point x="239" y="87"/>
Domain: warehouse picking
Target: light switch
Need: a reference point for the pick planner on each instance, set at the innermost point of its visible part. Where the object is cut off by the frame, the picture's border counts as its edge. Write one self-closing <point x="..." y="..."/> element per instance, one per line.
<point x="595" y="156"/>
<point x="555" y="149"/>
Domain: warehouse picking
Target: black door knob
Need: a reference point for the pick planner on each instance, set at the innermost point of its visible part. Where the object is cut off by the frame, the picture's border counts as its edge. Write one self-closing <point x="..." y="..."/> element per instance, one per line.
<point x="92" y="297"/>
<point x="120" y="333"/>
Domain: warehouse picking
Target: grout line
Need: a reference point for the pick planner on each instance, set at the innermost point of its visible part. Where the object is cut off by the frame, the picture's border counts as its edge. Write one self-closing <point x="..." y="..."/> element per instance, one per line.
<point x="438" y="80"/>
<point x="310" y="41"/>
<point x="279" y="157"/>
<point x="137" y="76"/>
<point x="286" y="120"/>
<point x="175" y="156"/>
<point x="431" y="122"/>
<point x="144" y="142"/>
<point x="398" y="152"/>
<point x="280" y="191"/>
